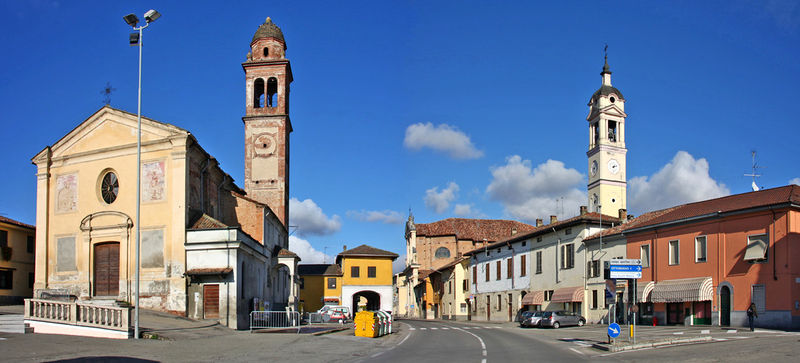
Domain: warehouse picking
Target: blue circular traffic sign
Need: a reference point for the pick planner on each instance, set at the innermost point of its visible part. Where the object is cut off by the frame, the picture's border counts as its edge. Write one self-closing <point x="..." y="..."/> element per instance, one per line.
<point x="614" y="330"/>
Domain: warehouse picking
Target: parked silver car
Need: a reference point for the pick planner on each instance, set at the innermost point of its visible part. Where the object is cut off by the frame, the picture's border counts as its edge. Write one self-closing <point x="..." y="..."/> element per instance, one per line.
<point x="532" y="320"/>
<point x="557" y="319"/>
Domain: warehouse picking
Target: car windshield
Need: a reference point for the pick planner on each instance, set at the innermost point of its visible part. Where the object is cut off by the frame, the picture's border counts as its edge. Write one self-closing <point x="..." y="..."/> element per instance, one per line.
<point x="547" y="314"/>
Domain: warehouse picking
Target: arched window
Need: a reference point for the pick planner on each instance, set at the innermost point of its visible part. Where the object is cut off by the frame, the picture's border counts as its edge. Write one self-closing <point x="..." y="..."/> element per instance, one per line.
<point x="442" y="252"/>
<point x="272" y="90"/>
<point x="266" y="52"/>
<point x="258" y="93"/>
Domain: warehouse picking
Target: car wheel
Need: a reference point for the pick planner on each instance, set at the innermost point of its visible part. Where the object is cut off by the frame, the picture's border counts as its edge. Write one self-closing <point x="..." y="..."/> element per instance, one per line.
<point x="556" y="325"/>
<point x="581" y="322"/>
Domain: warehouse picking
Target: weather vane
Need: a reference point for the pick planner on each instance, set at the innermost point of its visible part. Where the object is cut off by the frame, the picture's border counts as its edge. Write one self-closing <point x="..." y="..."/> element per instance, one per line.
<point x="106" y="92"/>
<point x="605" y="50"/>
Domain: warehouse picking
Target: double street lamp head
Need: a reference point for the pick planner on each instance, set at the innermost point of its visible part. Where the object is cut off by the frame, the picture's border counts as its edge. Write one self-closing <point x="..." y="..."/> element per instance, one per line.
<point x="149" y="17"/>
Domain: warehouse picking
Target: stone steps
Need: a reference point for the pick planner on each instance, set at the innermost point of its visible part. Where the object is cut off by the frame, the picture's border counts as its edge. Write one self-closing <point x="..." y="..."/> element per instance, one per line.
<point x="14" y="323"/>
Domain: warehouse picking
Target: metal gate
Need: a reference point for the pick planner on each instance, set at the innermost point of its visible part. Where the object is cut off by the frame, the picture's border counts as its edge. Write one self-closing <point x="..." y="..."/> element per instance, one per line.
<point x="274" y="319"/>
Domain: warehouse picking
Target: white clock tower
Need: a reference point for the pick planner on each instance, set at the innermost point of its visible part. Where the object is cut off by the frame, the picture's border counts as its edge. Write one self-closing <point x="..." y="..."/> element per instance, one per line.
<point x="607" y="179"/>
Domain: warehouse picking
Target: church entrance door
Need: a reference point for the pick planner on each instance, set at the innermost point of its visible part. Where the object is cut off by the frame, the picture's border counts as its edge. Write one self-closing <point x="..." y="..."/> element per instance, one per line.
<point x="106" y="269"/>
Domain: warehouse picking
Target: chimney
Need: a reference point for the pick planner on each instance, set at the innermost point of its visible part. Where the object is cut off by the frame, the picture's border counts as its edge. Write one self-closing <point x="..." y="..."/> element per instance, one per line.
<point x="344" y="248"/>
<point x="584" y="209"/>
<point x="513" y="231"/>
<point x="539" y="222"/>
<point x="553" y="219"/>
<point x="623" y="214"/>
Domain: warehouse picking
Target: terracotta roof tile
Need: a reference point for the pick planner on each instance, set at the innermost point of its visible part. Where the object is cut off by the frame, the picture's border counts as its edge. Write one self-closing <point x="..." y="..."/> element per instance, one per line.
<point x="365" y="250"/>
<point x="206" y="222"/>
<point x="209" y="271"/>
<point x="319" y="269"/>
<point x="16" y="223"/>
<point x="548" y="228"/>
<point x="732" y="203"/>
<point x="473" y="229"/>
<point x="286" y="253"/>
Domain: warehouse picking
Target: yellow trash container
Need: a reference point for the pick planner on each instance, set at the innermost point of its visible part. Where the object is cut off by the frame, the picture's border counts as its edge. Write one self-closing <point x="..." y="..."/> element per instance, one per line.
<point x="366" y="324"/>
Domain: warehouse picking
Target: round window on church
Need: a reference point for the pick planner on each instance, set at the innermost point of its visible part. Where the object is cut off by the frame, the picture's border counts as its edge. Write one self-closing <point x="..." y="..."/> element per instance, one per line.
<point x="613" y="99"/>
<point x="442" y="252"/>
<point x="109" y="187"/>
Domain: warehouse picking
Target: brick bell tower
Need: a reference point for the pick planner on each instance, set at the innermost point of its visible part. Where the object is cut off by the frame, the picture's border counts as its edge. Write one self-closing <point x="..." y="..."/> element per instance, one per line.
<point x="266" y="121"/>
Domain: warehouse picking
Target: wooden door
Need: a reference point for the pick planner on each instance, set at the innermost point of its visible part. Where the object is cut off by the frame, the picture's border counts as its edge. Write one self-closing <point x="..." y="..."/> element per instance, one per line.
<point x="725" y="306"/>
<point x="211" y="301"/>
<point x="106" y="269"/>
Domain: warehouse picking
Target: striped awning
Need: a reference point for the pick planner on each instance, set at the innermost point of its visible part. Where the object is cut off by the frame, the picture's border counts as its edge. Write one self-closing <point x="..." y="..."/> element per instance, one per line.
<point x="568" y="294"/>
<point x="643" y="290"/>
<point x="533" y="298"/>
<point x="680" y="290"/>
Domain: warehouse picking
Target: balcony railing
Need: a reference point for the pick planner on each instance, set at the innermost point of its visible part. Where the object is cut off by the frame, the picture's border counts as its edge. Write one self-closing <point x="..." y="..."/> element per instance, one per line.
<point x="107" y="317"/>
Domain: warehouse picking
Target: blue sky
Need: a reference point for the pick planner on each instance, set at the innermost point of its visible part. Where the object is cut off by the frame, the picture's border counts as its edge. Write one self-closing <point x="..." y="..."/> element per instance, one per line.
<point x="469" y="109"/>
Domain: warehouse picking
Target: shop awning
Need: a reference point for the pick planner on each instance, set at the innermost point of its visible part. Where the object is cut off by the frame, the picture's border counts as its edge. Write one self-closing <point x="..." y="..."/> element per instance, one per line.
<point x="568" y="294"/>
<point x="643" y="290"/>
<point x="680" y="290"/>
<point x="209" y="271"/>
<point x="533" y="298"/>
<point x="756" y="250"/>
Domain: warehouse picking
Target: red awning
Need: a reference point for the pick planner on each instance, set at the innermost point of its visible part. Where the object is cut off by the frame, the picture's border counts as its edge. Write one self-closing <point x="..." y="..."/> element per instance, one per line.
<point x="533" y="298"/>
<point x="568" y="294"/>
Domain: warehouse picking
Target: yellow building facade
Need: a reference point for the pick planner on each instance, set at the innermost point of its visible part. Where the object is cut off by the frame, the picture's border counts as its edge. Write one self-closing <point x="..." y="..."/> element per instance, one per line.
<point x="367" y="274"/>
<point x="320" y="285"/>
<point x="17" y="247"/>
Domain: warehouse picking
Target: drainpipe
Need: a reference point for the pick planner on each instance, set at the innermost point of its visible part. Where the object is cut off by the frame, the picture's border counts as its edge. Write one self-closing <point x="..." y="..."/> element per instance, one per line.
<point x="558" y="243"/>
<point x="774" y="255"/>
<point x="203" y="186"/>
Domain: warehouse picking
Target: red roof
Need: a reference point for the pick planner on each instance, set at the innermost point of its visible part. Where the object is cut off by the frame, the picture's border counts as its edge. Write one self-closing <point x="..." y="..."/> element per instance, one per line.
<point x="473" y="229"/>
<point x="786" y="195"/>
<point x="206" y="222"/>
<point x="548" y="228"/>
<point x="16" y="223"/>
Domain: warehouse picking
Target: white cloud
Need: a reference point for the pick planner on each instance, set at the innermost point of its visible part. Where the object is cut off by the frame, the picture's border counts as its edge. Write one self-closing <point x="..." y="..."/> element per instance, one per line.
<point x="440" y="201"/>
<point x="467" y="210"/>
<point x="443" y="138"/>
<point x="683" y="180"/>
<point x="384" y="216"/>
<point x="399" y="264"/>
<point x="310" y="220"/>
<point x="527" y="193"/>
<point x="795" y="181"/>
<point x="307" y="252"/>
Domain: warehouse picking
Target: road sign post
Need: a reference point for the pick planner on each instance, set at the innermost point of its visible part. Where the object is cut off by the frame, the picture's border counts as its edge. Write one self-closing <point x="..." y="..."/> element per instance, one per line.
<point x="613" y="330"/>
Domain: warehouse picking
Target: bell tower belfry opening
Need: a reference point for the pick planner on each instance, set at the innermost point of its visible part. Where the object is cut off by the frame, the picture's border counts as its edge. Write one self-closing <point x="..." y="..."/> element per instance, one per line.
<point x="266" y="122"/>
<point x="607" y="177"/>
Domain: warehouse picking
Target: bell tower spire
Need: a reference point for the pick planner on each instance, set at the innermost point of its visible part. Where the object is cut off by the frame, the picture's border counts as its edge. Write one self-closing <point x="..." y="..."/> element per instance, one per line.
<point x="266" y="122"/>
<point x="607" y="152"/>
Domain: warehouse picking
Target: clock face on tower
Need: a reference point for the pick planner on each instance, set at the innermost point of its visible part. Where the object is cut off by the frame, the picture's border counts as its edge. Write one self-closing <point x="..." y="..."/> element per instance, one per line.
<point x="593" y="169"/>
<point x="613" y="166"/>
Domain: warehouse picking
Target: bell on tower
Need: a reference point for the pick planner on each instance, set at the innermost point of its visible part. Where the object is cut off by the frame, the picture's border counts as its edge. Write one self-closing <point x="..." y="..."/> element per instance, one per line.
<point x="267" y="124"/>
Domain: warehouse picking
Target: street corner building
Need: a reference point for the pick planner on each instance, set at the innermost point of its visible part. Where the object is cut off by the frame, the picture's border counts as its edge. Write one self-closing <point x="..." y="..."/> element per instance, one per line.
<point x="17" y="247"/>
<point x="367" y="278"/>
<point x="209" y="249"/>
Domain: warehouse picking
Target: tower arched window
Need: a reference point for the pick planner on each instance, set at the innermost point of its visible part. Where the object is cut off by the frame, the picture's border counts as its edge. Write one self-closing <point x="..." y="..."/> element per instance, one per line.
<point x="258" y="93"/>
<point x="272" y="91"/>
<point x="442" y="252"/>
<point x="266" y="52"/>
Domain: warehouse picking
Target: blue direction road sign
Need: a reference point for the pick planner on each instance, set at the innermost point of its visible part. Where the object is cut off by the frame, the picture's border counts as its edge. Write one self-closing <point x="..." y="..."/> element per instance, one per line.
<point x="614" y="330"/>
<point x="625" y="268"/>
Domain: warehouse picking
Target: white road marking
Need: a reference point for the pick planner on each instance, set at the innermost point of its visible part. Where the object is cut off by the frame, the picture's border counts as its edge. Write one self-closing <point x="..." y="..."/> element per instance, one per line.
<point x="445" y="328"/>
<point x="732" y="331"/>
<point x="423" y="328"/>
<point x="576" y="351"/>
<point x="412" y="328"/>
<point x="376" y="354"/>
<point x="678" y="333"/>
<point x="483" y="360"/>
<point x="720" y="339"/>
<point x="705" y="331"/>
<point x="434" y="328"/>
<point x="483" y="345"/>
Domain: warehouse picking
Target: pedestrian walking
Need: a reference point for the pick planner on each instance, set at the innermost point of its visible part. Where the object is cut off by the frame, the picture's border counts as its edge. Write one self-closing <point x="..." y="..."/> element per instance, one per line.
<point x="751" y="315"/>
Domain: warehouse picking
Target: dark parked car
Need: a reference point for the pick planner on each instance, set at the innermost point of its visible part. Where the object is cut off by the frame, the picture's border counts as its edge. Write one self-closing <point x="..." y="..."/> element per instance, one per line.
<point x="524" y="315"/>
<point x="532" y="320"/>
<point x="557" y="319"/>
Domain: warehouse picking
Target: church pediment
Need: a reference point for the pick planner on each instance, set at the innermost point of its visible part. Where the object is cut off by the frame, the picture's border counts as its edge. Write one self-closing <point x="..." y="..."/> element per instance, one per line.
<point x="611" y="110"/>
<point x="109" y="129"/>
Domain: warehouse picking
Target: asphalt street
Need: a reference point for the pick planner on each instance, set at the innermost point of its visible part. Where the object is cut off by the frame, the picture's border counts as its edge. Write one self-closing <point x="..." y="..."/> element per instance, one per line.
<point x="438" y="341"/>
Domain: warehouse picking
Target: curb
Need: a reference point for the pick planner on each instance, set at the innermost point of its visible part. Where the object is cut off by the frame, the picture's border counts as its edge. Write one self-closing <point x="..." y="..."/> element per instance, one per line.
<point x="329" y="331"/>
<point x="619" y="348"/>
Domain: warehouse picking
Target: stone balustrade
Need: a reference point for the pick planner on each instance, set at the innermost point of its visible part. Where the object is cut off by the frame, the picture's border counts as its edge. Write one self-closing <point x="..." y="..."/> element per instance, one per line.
<point x="96" y="316"/>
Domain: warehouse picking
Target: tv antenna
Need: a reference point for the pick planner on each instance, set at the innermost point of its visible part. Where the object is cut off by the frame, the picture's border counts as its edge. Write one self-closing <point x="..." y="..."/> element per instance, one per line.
<point x="754" y="173"/>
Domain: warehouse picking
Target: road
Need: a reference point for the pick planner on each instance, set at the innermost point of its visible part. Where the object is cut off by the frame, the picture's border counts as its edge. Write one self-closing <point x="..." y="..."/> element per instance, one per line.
<point x="438" y="341"/>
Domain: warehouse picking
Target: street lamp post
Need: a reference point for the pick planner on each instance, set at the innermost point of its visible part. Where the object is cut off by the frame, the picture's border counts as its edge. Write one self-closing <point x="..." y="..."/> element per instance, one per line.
<point x="136" y="40"/>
